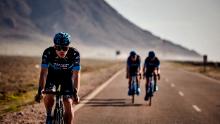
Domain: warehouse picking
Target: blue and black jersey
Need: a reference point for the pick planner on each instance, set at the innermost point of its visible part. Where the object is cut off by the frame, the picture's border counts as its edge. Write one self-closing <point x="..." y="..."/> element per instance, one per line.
<point x="60" y="69"/>
<point x="133" y="65"/>
<point x="151" y="64"/>
<point x="51" y="60"/>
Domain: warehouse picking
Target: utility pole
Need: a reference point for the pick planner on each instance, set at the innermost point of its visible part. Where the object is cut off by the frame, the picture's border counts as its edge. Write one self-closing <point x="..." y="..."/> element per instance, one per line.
<point x="205" y="60"/>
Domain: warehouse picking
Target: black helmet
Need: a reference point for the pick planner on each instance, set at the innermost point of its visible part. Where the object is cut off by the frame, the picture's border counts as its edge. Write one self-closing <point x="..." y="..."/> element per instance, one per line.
<point x="62" y="39"/>
<point x="133" y="53"/>
<point x="151" y="54"/>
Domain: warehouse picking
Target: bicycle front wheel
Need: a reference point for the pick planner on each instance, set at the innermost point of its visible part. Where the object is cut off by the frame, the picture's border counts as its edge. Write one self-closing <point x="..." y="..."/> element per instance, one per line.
<point x="58" y="115"/>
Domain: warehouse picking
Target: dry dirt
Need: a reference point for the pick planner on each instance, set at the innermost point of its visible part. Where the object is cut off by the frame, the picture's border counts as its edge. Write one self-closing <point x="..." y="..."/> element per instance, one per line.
<point x="19" y="75"/>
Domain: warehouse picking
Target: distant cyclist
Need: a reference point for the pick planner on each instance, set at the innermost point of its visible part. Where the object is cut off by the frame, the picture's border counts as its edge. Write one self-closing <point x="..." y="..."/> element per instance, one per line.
<point x="151" y="65"/>
<point x="60" y="66"/>
<point x="133" y="69"/>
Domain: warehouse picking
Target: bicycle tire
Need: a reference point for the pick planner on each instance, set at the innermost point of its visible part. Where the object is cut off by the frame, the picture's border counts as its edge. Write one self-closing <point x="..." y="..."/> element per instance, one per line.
<point x="133" y="92"/>
<point x="150" y="101"/>
<point x="58" y="115"/>
<point x="132" y="99"/>
<point x="151" y="93"/>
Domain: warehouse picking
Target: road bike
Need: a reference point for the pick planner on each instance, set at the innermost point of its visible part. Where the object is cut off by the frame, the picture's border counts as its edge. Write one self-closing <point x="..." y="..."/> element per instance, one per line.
<point x="150" y="88"/>
<point x="58" y="110"/>
<point x="134" y="87"/>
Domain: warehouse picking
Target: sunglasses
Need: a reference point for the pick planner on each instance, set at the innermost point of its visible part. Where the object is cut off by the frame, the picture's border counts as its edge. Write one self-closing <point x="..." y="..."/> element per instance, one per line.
<point x="59" y="48"/>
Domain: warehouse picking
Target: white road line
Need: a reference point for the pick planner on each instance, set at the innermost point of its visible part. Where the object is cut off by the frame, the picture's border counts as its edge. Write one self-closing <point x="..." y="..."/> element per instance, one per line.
<point x="172" y="85"/>
<point x="197" y="108"/>
<point x="96" y="91"/>
<point x="181" y="93"/>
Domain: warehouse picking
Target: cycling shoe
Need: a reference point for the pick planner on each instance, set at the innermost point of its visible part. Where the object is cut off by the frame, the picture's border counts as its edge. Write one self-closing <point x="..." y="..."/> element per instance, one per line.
<point x="146" y="98"/>
<point x="49" y="120"/>
<point x="129" y="92"/>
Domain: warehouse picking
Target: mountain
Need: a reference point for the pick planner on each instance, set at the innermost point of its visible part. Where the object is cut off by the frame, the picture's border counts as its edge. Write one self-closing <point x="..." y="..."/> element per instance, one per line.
<point x="96" y="28"/>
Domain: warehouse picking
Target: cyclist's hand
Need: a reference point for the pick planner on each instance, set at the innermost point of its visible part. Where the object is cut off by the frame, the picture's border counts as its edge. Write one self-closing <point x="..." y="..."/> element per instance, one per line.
<point x="127" y="76"/>
<point x="140" y="75"/>
<point x="38" y="97"/>
<point x="76" y="99"/>
<point x="158" y="75"/>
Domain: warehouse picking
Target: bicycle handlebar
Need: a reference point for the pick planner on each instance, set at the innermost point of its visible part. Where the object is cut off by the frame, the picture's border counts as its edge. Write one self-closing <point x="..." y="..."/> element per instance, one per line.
<point x="57" y="92"/>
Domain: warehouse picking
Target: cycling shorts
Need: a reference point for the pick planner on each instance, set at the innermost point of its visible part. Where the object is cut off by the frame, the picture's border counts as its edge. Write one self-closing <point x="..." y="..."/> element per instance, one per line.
<point x="65" y="83"/>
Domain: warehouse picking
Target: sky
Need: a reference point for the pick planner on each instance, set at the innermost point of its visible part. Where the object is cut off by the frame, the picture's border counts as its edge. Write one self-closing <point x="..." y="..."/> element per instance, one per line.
<point x="194" y="24"/>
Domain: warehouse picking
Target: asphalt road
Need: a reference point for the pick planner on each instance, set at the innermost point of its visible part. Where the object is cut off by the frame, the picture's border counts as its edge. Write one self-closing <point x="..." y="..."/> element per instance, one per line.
<point x="183" y="98"/>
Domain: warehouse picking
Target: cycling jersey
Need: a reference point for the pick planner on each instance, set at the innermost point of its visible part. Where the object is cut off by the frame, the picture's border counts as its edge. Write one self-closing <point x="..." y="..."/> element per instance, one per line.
<point x="60" y="69"/>
<point x="150" y="65"/>
<point x="133" y="65"/>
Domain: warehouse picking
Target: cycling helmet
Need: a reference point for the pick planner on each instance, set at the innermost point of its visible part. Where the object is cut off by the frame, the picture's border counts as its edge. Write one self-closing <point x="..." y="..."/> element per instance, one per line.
<point x="133" y="53"/>
<point x="62" y="39"/>
<point x="151" y="54"/>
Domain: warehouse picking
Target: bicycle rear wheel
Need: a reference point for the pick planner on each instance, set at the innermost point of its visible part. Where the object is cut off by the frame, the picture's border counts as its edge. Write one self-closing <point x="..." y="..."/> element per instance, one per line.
<point x="151" y="94"/>
<point x="150" y="101"/>
<point x="132" y="99"/>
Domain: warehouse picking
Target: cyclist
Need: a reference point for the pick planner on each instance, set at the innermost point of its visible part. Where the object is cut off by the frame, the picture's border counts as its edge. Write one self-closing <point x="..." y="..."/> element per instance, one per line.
<point x="151" y="65"/>
<point x="133" y="69"/>
<point x="60" y="66"/>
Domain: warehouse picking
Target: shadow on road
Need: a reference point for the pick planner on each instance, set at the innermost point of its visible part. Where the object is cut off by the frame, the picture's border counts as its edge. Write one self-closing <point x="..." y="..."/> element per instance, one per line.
<point x="112" y="103"/>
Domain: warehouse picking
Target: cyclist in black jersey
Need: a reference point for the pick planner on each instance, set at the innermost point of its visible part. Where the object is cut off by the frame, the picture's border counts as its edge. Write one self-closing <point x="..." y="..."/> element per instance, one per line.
<point x="133" y="69"/>
<point x="151" y="66"/>
<point x="60" y="66"/>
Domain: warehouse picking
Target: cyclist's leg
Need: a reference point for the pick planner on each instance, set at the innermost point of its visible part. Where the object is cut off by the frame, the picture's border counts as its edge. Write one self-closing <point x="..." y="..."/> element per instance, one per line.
<point x="69" y="111"/>
<point x="138" y="80"/>
<point x="155" y="79"/>
<point x="129" y="85"/>
<point x="49" y="99"/>
<point x="147" y="84"/>
<point x="138" y="85"/>
<point x="67" y="87"/>
<point x="146" y="87"/>
<point x="48" y="102"/>
<point x="129" y="81"/>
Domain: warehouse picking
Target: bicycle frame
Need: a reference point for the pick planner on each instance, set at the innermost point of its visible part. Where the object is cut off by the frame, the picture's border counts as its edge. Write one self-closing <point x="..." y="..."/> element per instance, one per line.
<point x="58" y="110"/>
<point x="133" y="86"/>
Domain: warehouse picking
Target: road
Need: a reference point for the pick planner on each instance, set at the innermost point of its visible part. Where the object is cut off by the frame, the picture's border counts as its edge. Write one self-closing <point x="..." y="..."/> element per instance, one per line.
<point x="183" y="98"/>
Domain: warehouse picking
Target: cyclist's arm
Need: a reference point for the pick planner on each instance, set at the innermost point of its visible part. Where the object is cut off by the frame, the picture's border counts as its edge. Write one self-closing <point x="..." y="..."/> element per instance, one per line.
<point x="144" y="67"/>
<point x="127" y="68"/>
<point x="43" y="77"/>
<point x="158" y="70"/>
<point x="76" y="80"/>
<point x="158" y="66"/>
<point x="139" y="65"/>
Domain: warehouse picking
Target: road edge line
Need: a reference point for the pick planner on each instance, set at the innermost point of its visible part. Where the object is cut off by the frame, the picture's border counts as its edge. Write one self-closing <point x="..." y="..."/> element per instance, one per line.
<point x="97" y="90"/>
<point x="196" y="108"/>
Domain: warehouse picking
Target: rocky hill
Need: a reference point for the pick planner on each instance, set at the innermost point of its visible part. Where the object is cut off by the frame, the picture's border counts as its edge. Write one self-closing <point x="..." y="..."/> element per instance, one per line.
<point x="96" y="28"/>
